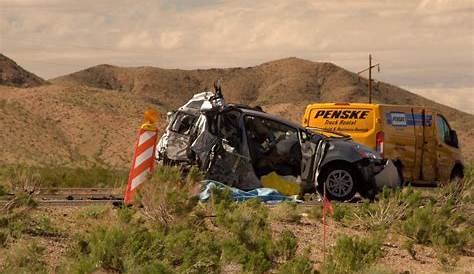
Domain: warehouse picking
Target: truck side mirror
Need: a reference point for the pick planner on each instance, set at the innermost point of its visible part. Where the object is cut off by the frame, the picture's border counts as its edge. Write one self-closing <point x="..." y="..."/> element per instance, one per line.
<point x="454" y="138"/>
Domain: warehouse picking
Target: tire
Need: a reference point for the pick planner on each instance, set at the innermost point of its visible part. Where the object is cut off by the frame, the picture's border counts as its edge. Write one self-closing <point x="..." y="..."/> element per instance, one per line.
<point x="340" y="181"/>
<point x="457" y="173"/>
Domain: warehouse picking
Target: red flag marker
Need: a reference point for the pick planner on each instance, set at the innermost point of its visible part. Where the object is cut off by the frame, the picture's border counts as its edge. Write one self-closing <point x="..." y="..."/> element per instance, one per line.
<point x="327" y="207"/>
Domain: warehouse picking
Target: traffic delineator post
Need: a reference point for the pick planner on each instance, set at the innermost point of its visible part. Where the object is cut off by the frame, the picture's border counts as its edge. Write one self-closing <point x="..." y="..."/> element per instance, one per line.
<point x="144" y="155"/>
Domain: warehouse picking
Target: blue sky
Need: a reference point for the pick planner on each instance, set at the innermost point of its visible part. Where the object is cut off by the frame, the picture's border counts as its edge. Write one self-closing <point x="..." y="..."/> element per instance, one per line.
<point x="426" y="46"/>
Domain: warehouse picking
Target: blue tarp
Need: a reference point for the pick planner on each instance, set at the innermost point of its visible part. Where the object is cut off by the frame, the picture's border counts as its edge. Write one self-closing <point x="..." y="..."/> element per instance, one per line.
<point x="267" y="195"/>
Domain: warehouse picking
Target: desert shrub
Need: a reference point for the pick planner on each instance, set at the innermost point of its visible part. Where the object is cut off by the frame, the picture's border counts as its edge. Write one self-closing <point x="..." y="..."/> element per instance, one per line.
<point x="194" y="175"/>
<point x="59" y="176"/>
<point x="21" y="199"/>
<point x="3" y="238"/>
<point x="429" y="225"/>
<point x="114" y="248"/>
<point x="286" y="212"/>
<point x="315" y="212"/>
<point x="298" y="265"/>
<point x="250" y="242"/>
<point x="3" y="190"/>
<point x="352" y="254"/>
<point x="341" y="211"/>
<point x="460" y="192"/>
<point x="42" y="226"/>
<point x="409" y="245"/>
<point x="193" y="252"/>
<point x="286" y="245"/>
<point x="166" y="197"/>
<point x="94" y="211"/>
<point x="392" y="206"/>
<point x="125" y="214"/>
<point x="14" y="224"/>
<point x="25" y="259"/>
<point x="440" y="227"/>
<point x="379" y="269"/>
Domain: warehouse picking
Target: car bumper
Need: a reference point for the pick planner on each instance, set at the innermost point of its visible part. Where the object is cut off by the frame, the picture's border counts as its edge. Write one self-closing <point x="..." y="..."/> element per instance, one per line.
<point x="375" y="175"/>
<point x="388" y="176"/>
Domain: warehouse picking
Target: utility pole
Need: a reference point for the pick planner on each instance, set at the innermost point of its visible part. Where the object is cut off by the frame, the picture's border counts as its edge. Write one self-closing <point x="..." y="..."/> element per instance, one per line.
<point x="370" y="75"/>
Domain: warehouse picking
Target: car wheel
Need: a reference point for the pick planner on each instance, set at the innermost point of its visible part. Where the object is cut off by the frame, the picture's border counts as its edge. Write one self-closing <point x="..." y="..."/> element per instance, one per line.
<point x="340" y="182"/>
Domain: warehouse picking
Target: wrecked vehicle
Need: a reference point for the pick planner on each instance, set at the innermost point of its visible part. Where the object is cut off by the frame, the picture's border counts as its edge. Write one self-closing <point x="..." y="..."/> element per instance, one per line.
<point x="238" y="145"/>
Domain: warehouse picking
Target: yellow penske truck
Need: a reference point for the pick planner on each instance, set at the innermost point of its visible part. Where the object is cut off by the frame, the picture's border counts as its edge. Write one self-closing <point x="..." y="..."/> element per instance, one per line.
<point x="418" y="140"/>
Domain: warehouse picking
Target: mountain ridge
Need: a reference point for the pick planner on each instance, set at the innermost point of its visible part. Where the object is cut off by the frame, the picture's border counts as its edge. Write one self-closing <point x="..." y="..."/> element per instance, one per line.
<point x="12" y="74"/>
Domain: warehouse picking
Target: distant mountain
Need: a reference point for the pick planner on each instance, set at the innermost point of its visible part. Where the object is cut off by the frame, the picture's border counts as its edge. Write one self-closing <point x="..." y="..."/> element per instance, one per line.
<point x="90" y="116"/>
<point x="11" y="74"/>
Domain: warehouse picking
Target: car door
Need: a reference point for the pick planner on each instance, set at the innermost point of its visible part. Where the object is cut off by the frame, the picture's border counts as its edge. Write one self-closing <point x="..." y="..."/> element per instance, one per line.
<point x="273" y="146"/>
<point x="445" y="150"/>
<point x="230" y="161"/>
<point x="308" y="150"/>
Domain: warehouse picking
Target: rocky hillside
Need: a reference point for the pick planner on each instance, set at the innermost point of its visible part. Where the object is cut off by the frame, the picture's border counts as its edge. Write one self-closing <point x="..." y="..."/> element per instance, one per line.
<point x="11" y="74"/>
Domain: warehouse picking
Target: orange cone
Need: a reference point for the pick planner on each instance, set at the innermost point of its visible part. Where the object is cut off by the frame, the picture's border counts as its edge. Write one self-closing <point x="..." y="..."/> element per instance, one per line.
<point x="143" y="158"/>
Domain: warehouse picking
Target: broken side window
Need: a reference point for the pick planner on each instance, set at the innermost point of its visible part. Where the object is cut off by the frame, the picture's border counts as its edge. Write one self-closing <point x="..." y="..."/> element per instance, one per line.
<point x="183" y="123"/>
<point x="229" y="129"/>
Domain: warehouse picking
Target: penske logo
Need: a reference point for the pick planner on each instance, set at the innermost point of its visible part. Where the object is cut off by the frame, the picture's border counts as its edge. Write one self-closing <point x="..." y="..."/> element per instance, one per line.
<point x="342" y="114"/>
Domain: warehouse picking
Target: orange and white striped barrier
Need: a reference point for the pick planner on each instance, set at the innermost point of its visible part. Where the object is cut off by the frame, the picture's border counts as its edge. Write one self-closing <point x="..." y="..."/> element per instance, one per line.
<point x="143" y="158"/>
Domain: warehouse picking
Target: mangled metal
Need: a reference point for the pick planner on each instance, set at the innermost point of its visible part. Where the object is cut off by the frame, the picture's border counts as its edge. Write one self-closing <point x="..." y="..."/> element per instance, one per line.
<point x="238" y="145"/>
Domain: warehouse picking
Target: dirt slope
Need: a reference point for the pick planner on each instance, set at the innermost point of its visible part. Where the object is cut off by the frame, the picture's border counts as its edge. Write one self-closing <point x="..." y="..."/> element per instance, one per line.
<point x="282" y="87"/>
<point x="53" y="125"/>
<point x="11" y="74"/>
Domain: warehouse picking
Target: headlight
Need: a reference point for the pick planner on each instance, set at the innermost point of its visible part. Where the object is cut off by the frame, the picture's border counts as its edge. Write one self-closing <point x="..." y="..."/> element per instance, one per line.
<point x="366" y="152"/>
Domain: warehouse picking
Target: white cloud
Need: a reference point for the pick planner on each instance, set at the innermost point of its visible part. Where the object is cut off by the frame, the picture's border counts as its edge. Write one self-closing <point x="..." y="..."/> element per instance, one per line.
<point x="170" y="39"/>
<point x="141" y="40"/>
<point x="460" y="98"/>
<point x="421" y="44"/>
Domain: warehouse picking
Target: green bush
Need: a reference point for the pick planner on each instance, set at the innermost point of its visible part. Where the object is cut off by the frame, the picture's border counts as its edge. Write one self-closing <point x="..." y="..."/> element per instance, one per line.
<point x="167" y="197"/>
<point x="408" y="245"/>
<point x="340" y="212"/>
<point x="25" y="259"/>
<point x="14" y="224"/>
<point x="286" y="212"/>
<point x="352" y="254"/>
<point x="3" y="190"/>
<point x="286" y="245"/>
<point x="315" y="213"/>
<point x="94" y="211"/>
<point x="298" y="265"/>
<point x="439" y="226"/>
<point x="429" y="225"/>
<point x="125" y="214"/>
<point x="3" y="238"/>
<point x="391" y="206"/>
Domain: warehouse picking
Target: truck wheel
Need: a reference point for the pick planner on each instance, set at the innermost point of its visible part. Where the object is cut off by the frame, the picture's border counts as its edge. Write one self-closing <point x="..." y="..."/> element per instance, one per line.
<point x="340" y="182"/>
<point x="457" y="173"/>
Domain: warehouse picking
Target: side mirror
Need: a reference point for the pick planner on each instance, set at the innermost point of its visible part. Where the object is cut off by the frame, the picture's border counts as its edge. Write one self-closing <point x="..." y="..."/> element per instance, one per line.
<point x="454" y="138"/>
